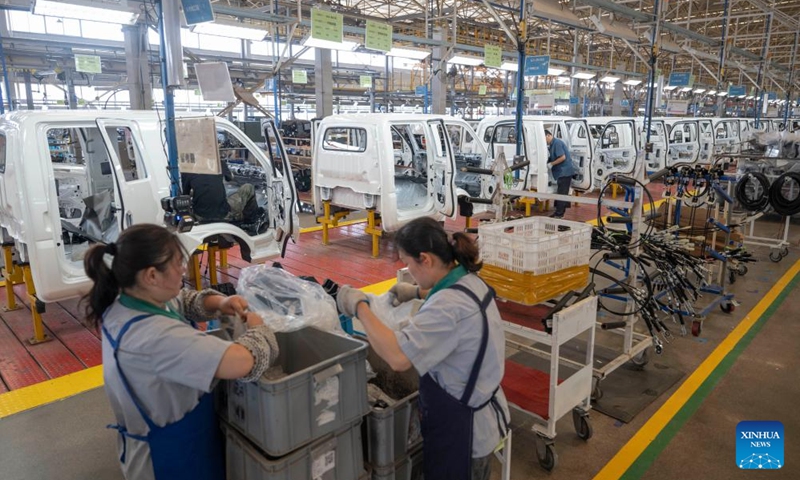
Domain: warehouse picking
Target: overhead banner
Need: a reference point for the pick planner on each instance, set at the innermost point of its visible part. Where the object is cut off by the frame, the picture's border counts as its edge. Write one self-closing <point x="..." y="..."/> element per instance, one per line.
<point x="88" y="64"/>
<point x="299" y="76"/>
<point x="365" y="81"/>
<point x="536" y="65"/>
<point x="492" y="56"/>
<point x="543" y="102"/>
<point x="482" y="90"/>
<point x="378" y="36"/>
<point x="680" y="79"/>
<point x="677" y="107"/>
<point x="326" y="25"/>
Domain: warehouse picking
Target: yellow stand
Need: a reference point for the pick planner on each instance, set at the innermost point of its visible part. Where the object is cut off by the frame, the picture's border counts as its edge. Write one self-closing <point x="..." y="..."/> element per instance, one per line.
<point x="223" y="258"/>
<point x="329" y="221"/>
<point x="12" y="276"/>
<point x="614" y="189"/>
<point x="37" y="308"/>
<point x="374" y="229"/>
<point x="528" y="202"/>
<point x="467" y="222"/>
<point x="212" y="263"/>
<point x="194" y="273"/>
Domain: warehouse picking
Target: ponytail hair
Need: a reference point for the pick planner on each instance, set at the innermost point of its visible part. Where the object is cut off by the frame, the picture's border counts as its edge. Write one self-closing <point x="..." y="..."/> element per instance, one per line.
<point x="426" y="235"/>
<point x="138" y="247"/>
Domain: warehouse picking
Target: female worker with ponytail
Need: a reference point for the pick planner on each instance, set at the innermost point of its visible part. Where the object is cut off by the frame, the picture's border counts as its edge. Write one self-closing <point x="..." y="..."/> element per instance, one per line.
<point x="158" y="369"/>
<point x="456" y="343"/>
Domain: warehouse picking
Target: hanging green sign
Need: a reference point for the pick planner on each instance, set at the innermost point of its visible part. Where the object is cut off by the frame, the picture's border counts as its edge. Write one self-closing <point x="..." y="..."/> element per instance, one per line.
<point x="378" y="36"/>
<point x="366" y="81"/>
<point x="482" y="90"/>
<point x="87" y="63"/>
<point x="326" y="25"/>
<point x="299" y="76"/>
<point x="492" y="56"/>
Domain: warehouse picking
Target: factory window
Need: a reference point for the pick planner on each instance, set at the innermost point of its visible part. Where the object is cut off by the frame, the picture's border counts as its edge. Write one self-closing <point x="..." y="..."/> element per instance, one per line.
<point x="346" y="139"/>
<point x="2" y="153"/>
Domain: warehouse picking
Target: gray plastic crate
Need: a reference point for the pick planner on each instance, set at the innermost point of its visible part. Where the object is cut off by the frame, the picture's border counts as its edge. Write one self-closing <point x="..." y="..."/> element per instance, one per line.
<point x="408" y="468"/>
<point x="325" y="390"/>
<point x="392" y="432"/>
<point x="337" y="456"/>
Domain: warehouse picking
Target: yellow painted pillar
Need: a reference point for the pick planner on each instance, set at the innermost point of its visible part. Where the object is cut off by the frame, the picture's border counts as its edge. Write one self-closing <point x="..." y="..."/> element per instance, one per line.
<point x="374" y="229"/>
<point x="12" y="275"/>
<point x="467" y="222"/>
<point x="37" y="308"/>
<point x="212" y="264"/>
<point x="195" y="273"/>
<point x="223" y="258"/>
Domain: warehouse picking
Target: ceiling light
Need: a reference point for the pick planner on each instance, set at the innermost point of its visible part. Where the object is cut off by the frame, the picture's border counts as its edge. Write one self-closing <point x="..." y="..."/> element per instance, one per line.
<point x="409" y="53"/>
<point x="669" y="88"/>
<point x="583" y="75"/>
<point x="231" y="30"/>
<point x="632" y="82"/>
<point x="722" y="94"/>
<point x="555" y="71"/>
<point x="685" y="89"/>
<point x="317" y="43"/>
<point x="110" y="12"/>
<point x="510" y="66"/>
<point x="699" y="90"/>
<point x="466" y="60"/>
<point x="712" y="92"/>
<point x="609" y="79"/>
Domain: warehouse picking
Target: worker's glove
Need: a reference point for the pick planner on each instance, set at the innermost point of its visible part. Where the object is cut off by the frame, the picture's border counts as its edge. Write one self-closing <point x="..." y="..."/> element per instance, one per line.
<point x="549" y="166"/>
<point x="403" y="292"/>
<point x="348" y="298"/>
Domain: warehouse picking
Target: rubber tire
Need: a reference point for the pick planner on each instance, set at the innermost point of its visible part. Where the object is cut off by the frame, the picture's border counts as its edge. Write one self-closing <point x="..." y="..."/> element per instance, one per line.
<point x="784" y="251"/>
<point x="741" y="269"/>
<point x="597" y="392"/>
<point x="639" y="361"/>
<point x="727" y="307"/>
<point x="550" y="458"/>
<point x="582" y="425"/>
<point x="775" y="256"/>
<point x="731" y="277"/>
<point x="697" y="328"/>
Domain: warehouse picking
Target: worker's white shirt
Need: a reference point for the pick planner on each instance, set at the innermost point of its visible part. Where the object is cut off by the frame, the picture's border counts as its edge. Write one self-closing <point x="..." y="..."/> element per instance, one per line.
<point x="443" y="339"/>
<point x="169" y="366"/>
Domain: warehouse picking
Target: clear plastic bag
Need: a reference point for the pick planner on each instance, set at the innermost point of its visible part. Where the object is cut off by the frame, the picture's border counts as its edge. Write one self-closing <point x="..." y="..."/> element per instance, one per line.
<point x="287" y="303"/>
<point x="394" y="317"/>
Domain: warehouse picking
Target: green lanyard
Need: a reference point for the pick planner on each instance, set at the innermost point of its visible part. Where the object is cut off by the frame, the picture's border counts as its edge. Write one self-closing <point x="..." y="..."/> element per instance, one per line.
<point x="147" y="307"/>
<point x="451" y="278"/>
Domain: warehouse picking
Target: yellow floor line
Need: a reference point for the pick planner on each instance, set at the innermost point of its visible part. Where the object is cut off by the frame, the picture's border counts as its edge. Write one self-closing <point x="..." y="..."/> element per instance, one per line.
<point x="341" y="224"/>
<point x="630" y="452"/>
<point x="380" y="288"/>
<point x="49" y="391"/>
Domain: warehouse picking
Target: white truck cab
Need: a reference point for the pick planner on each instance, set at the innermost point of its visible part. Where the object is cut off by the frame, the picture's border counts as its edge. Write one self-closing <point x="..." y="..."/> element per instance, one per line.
<point x="405" y="166"/>
<point x="730" y="135"/>
<point x="620" y="142"/>
<point x="690" y="141"/>
<point x="71" y="178"/>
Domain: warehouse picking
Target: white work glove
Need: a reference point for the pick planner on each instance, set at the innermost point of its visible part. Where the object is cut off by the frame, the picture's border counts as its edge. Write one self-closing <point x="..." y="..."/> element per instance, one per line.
<point x="348" y="298"/>
<point x="549" y="166"/>
<point x="403" y="292"/>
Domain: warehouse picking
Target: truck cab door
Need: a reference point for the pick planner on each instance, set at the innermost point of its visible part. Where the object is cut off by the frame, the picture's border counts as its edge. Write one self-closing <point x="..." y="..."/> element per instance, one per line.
<point x="658" y="137"/>
<point x="139" y="200"/>
<point x="580" y="143"/>
<point x="443" y="180"/>
<point x="726" y="137"/>
<point x="684" y="144"/>
<point x="468" y="152"/>
<point x="282" y="196"/>
<point x="705" y="129"/>
<point x="617" y="149"/>
<point x="504" y="139"/>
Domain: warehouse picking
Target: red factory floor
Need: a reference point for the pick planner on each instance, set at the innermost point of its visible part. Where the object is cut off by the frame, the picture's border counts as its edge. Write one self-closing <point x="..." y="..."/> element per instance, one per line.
<point x="347" y="260"/>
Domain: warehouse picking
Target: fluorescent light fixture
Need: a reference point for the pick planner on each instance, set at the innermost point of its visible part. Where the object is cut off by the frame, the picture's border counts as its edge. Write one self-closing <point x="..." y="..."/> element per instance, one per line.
<point x="109" y="12"/>
<point x="632" y="82"/>
<point x="669" y="88"/>
<point x="722" y="94"/>
<point x="712" y="92"/>
<point x="466" y="60"/>
<point x="583" y="75"/>
<point x="609" y="79"/>
<point x="699" y="90"/>
<point x="412" y="53"/>
<point x="230" y="30"/>
<point x="317" y="43"/>
<point x="510" y="66"/>
<point x="685" y="89"/>
<point x="555" y="71"/>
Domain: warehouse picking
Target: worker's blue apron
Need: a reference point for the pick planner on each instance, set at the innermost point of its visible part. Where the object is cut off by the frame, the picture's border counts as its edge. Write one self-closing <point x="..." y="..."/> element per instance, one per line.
<point x="447" y="421"/>
<point x="188" y="449"/>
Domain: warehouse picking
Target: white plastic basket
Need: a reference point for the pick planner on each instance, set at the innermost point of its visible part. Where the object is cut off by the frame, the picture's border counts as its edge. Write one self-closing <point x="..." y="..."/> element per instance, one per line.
<point x="535" y="245"/>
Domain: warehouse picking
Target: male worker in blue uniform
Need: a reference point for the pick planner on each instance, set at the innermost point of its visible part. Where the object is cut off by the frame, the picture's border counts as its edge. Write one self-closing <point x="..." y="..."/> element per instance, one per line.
<point x="560" y="164"/>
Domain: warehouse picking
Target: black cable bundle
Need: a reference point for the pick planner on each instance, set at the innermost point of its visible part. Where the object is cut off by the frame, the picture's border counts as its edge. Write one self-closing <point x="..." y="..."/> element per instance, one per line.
<point x="780" y="203"/>
<point x="761" y="201"/>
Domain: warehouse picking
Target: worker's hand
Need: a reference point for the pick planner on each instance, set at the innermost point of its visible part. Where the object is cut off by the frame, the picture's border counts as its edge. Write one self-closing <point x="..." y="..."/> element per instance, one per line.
<point x="233" y="305"/>
<point x="403" y="292"/>
<point x="253" y="319"/>
<point x="348" y="298"/>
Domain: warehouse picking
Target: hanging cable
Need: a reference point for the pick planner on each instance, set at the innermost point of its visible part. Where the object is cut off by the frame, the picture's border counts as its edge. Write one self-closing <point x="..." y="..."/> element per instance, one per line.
<point x="748" y="193"/>
<point x="783" y="205"/>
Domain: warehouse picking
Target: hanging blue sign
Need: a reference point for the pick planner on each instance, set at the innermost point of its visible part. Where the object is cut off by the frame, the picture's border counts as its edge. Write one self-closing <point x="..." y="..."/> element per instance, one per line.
<point x="536" y="65"/>
<point x="574" y="100"/>
<point x="624" y="103"/>
<point x="772" y="96"/>
<point x="421" y="90"/>
<point x="197" y="11"/>
<point x="735" y="90"/>
<point x="680" y="79"/>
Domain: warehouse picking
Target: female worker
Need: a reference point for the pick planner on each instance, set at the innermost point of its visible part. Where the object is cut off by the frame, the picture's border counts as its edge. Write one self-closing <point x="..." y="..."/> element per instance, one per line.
<point x="158" y="369"/>
<point x="456" y="343"/>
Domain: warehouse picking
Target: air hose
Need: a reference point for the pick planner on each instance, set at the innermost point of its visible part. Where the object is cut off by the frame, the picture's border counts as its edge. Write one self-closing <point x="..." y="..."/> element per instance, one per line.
<point x="779" y="202"/>
<point x="762" y="199"/>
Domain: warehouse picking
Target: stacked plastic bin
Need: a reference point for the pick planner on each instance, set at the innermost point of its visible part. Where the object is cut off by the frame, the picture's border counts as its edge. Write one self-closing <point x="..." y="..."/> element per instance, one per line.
<point x="301" y="420"/>
<point x="393" y="439"/>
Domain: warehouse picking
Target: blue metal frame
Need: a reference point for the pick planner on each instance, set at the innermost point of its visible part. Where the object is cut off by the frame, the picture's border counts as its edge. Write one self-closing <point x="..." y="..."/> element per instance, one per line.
<point x="169" y="110"/>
